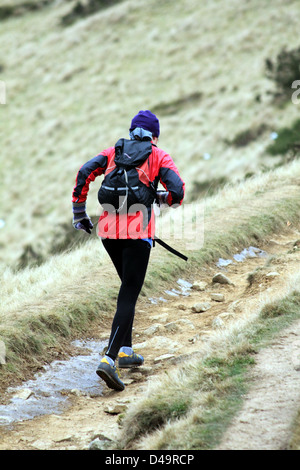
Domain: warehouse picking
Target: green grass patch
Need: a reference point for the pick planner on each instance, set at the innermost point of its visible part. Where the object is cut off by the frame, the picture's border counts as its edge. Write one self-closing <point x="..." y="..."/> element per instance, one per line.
<point x="290" y="305"/>
<point x="178" y="105"/>
<point x="294" y="443"/>
<point x="207" y="188"/>
<point x="81" y="10"/>
<point x="246" y="137"/>
<point x="288" y="140"/>
<point x="22" y="7"/>
<point x="284" y="71"/>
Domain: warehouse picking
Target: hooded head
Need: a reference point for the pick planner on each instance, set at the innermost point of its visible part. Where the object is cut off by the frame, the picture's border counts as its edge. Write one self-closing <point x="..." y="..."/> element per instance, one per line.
<point x="146" y="120"/>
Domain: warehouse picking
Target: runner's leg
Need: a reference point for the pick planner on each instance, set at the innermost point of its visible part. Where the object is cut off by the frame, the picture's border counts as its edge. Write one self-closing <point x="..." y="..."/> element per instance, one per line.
<point x="130" y="258"/>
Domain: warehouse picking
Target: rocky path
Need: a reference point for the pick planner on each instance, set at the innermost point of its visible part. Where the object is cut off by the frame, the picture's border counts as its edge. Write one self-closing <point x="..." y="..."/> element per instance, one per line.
<point x="178" y="325"/>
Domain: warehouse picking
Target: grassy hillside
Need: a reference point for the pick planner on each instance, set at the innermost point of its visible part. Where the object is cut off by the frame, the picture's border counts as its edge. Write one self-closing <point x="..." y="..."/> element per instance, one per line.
<point x="218" y="75"/>
<point x="72" y="90"/>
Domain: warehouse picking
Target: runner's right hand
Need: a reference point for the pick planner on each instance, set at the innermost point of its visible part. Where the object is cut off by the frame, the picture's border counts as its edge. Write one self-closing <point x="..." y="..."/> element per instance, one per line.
<point x="85" y="224"/>
<point x="162" y="197"/>
<point x="81" y="220"/>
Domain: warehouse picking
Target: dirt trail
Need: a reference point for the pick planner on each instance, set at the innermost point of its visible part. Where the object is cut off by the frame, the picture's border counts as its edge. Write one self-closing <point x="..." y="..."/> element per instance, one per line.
<point x="268" y="409"/>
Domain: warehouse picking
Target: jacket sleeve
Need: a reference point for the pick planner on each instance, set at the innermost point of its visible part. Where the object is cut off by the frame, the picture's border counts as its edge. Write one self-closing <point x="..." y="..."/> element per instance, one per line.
<point x="86" y="174"/>
<point x="171" y="180"/>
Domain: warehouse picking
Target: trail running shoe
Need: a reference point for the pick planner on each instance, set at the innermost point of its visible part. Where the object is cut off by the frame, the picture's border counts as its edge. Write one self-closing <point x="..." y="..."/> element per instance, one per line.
<point x="110" y="375"/>
<point x="132" y="360"/>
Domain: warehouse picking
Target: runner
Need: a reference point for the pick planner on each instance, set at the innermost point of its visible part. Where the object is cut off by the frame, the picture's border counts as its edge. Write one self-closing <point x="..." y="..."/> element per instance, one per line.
<point x="127" y="231"/>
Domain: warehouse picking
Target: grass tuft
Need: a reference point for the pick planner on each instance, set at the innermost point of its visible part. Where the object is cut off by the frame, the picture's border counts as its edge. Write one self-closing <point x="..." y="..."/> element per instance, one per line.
<point x="290" y="305"/>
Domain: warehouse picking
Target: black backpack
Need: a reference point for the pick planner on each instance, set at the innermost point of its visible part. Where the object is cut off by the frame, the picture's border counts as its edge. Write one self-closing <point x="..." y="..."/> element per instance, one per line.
<point x="122" y="187"/>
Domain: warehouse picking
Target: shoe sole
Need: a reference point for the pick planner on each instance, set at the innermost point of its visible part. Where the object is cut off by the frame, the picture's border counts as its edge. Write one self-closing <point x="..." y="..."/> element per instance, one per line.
<point x="109" y="380"/>
<point x="129" y="366"/>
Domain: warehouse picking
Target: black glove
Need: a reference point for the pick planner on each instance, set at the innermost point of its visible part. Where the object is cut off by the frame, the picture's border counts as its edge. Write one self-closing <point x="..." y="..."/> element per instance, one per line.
<point x="81" y="220"/>
<point x="161" y="197"/>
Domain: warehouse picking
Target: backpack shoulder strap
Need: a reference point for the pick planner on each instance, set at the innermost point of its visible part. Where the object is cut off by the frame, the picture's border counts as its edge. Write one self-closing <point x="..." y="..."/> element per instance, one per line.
<point x="169" y="248"/>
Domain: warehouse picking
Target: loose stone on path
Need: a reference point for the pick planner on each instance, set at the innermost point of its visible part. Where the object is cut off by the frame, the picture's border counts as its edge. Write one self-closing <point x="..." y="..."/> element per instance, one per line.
<point x="221" y="279"/>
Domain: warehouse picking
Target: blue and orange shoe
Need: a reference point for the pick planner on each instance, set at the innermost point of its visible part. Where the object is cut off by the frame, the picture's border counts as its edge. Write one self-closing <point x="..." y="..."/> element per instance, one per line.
<point x="129" y="360"/>
<point x="109" y="374"/>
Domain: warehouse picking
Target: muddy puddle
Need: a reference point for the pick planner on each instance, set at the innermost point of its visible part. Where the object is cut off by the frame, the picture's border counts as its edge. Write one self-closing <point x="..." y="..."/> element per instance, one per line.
<point x="251" y="252"/>
<point x="50" y="390"/>
<point x="184" y="288"/>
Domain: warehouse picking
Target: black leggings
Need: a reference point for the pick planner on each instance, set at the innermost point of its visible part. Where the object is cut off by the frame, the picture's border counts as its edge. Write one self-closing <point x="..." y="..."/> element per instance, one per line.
<point x="130" y="258"/>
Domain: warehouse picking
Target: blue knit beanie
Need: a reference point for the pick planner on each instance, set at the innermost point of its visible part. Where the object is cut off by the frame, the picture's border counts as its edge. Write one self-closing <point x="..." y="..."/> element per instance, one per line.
<point x="146" y="120"/>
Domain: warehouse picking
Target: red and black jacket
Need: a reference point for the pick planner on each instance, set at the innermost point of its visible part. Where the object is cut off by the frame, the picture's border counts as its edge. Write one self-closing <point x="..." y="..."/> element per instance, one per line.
<point x="159" y="167"/>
